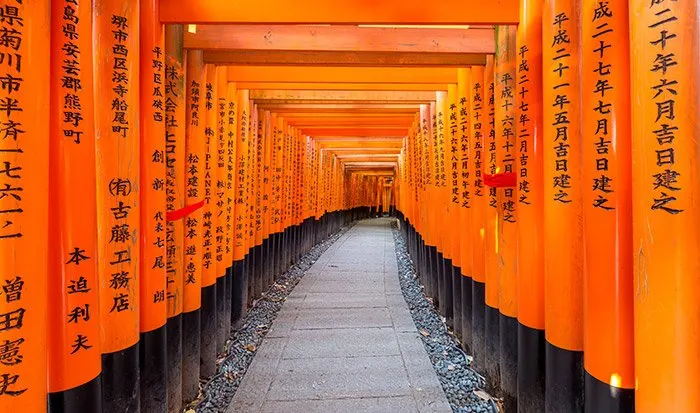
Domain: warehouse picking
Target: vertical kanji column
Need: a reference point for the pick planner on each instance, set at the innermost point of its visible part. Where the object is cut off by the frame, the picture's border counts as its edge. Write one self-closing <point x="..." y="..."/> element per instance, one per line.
<point x="24" y="205"/>
<point x="491" y="344"/>
<point x="240" y="275"/>
<point x="74" y="358"/>
<point x="152" y="284"/>
<point x="453" y="158"/>
<point x="222" y="219"/>
<point x="174" y="202"/>
<point x="477" y="109"/>
<point x="666" y="204"/>
<point x="465" y="196"/>
<point x="607" y="205"/>
<point x="208" y="326"/>
<point x="563" y="226"/>
<point x="116" y="61"/>
<point x="507" y="238"/>
<point x="530" y="258"/>
<point x="231" y="176"/>
<point x="195" y="151"/>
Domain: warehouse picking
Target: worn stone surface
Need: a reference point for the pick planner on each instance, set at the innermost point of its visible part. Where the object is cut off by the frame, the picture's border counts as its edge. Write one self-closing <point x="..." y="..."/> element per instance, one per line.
<point x="339" y="344"/>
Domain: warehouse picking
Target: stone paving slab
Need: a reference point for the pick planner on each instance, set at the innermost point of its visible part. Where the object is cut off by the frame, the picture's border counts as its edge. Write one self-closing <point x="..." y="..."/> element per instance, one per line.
<point x="344" y="340"/>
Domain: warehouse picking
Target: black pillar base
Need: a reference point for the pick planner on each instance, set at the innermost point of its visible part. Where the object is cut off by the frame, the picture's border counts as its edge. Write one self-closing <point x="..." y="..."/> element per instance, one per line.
<point x="531" y="366"/>
<point x="603" y="398"/>
<point x="191" y="346"/>
<point x="208" y="331"/>
<point x="563" y="380"/>
<point x="508" y="353"/>
<point x="152" y="365"/>
<point x="467" y="332"/>
<point x="86" y="398"/>
<point x="174" y="356"/>
<point x="456" y="279"/>
<point x="479" y="324"/>
<point x="491" y="348"/>
<point x="120" y="381"/>
<point x="239" y="293"/>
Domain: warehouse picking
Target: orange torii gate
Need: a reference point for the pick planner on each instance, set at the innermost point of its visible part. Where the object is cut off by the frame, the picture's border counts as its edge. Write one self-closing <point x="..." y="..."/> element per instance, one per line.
<point x="126" y="259"/>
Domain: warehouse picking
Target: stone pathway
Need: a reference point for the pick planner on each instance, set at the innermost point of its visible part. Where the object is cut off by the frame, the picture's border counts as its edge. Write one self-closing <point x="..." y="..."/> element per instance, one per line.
<point x="344" y="341"/>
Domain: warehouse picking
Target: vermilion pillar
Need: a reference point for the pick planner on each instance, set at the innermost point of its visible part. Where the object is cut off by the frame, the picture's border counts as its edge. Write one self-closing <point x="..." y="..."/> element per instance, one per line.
<point x="666" y="210"/>
<point x="530" y="200"/>
<point x="491" y="222"/>
<point x="607" y="205"/>
<point x="24" y="206"/>
<point x="563" y="226"/>
<point x="477" y="154"/>
<point x="74" y="358"/>
<point x="152" y="266"/>
<point x="506" y="156"/>
<point x="116" y="68"/>
<point x="174" y="200"/>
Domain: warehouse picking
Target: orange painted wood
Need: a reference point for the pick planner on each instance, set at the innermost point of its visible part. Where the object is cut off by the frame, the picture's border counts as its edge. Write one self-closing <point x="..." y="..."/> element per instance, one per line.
<point x="116" y="70"/>
<point x="321" y="74"/>
<point x="24" y="205"/>
<point x="153" y="312"/>
<point x="357" y="59"/>
<point x="74" y="356"/>
<point x="455" y="41"/>
<point x="665" y="76"/>
<point x="404" y="12"/>
<point x="263" y="85"/>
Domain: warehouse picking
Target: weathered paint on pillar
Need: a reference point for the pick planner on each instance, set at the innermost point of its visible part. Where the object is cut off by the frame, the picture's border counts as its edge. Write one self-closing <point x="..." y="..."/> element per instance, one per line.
<point x="24" y="206"/>
<point x="174" y="200"/>
<point x="73" y="314"/>
<point x="563" y="210"/>
<point x="530" y="201"/>
<point x="666" y="209"/>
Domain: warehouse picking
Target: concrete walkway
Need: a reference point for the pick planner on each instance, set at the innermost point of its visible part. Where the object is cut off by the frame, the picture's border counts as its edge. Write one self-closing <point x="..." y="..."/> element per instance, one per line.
<point x="344" y="341"/>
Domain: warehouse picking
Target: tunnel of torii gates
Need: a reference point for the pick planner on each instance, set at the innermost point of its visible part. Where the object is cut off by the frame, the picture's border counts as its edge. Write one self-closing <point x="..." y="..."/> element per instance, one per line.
<point x="163" y="161"/>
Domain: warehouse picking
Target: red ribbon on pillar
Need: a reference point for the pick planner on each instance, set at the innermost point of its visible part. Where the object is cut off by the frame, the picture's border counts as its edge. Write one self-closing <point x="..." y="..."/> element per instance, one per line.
<point x="183" y="212"/>
<point x="501" y="180"/>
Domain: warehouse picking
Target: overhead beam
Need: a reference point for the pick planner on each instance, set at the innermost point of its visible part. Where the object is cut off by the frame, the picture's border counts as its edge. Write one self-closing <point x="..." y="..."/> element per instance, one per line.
<point x="324" y="74"/>
<point x="341" y="86"/>
<point x="402" y="12"/>
<point x="360" y="59"/>
<point x="356" y="132"/>
<point x="335" y="95"/>
<point x="478" y="40"/>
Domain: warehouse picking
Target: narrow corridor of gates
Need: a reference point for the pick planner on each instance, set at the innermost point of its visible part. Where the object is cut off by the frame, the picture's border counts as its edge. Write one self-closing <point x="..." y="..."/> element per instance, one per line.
<point x="163" y="162"/>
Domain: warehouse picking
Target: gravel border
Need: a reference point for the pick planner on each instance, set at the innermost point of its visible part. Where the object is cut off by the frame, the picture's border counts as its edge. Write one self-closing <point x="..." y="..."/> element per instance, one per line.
<point x="217" y="392"/>
<point x="463" y="386"/>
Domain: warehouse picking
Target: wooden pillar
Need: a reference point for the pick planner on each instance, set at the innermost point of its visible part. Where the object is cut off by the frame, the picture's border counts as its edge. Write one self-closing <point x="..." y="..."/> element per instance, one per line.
<point x="491" y="343"/>
<point x="225" y="155"/>
<point x="208" y="325"/>
<point x="240" y="275"/>
<point x="453" y="159"/>
<point x="666" y="210"/>
<point x="174" y="201"/>
<point x="24" y="206"/>
<point x="465" y="197"/>
<point x="506" y="155"/>
<point x="477" y="155"/>
<point x="152" y="301"/>
<point x="116" y="36"/>
<point x="74" y="358"/>
<point x="530" y="256"/>
<point x="607" y="206"/>
<point x="563" y="226"/>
